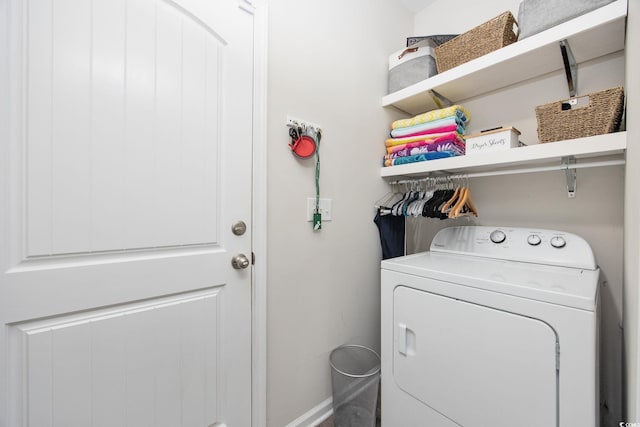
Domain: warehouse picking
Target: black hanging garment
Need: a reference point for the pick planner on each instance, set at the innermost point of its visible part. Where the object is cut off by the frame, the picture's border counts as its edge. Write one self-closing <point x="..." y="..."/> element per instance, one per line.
<point x="391" y="230"/>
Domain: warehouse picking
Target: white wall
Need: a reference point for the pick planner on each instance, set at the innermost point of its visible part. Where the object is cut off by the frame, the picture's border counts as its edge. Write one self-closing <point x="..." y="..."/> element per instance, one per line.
<point x="540" y="200"/>
<point x="632" y="225"/>
<point x="328" y="65"/>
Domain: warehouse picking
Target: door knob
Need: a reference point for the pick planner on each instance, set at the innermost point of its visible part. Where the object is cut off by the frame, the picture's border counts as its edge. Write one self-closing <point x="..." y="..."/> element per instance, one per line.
<point x="239" y="228"/>
<point x="240" y="261"/>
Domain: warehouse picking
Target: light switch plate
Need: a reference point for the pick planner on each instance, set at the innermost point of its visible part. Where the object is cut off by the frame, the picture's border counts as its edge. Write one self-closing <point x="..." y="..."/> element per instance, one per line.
<point x="325" y="208"/>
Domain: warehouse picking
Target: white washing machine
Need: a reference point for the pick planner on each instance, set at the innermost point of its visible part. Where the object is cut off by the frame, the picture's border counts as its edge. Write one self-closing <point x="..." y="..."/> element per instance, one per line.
<point x="493" y="327"/>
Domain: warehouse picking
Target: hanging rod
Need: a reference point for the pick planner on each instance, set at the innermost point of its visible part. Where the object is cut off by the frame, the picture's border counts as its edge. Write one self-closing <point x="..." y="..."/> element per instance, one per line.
<point x="560" y="167"/>
<point x="568" y="165"/>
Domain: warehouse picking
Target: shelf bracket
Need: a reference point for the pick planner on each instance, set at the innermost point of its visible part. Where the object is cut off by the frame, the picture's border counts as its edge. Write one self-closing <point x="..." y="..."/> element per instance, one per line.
<point x="571" y="174"/>
<point x="570" y="67"/>
<point x="441" y="101"/>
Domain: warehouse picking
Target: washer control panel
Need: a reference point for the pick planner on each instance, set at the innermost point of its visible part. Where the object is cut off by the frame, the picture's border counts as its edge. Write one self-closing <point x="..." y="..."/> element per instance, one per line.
<point x="558" y="242"/>
<point x="497" y="236"/>
<point x="538" y="246"/>
<point x="534" y="239"/>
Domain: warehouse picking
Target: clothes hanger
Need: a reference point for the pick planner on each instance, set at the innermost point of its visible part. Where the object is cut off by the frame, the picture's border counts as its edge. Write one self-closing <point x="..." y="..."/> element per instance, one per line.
<point x="471" y="208"/>
<point x="457" y="208"/>
<point x="411" y="203"/>
<point x="425" y="194"/>
<point x="445" y="196"/>
<point x="427" y="207"/>
<point x="384" y="202"/>
<point x="465" y="206"/>
<point x="432" y="208"/>
<point x="396" y="209"/>
<point x="428" y="194"/>
<point x="418" y="205"/>
<point x="415" y="194"/>
<point x="446" y="207"/>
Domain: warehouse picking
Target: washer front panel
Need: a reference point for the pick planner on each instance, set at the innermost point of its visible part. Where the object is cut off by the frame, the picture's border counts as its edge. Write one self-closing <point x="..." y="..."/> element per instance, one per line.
<point x="475" y="365"/>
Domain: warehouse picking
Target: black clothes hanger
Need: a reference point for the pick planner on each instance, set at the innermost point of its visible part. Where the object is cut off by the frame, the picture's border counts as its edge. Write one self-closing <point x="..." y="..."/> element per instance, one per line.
<point x="432" y="208"/>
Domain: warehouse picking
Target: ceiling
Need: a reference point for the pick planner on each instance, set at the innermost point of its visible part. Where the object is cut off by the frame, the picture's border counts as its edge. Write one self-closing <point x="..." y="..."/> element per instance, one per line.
<point x="416" y="5"/>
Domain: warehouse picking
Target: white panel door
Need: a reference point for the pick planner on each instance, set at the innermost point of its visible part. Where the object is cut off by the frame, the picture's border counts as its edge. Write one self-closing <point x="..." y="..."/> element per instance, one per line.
<point x="125" y="159"/>
<point x="475" y="365"/>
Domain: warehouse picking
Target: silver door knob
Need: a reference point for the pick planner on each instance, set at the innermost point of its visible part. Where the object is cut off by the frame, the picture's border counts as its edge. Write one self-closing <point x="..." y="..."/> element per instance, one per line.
<point x="239" y="228"/>
<point x="240" y="261"/>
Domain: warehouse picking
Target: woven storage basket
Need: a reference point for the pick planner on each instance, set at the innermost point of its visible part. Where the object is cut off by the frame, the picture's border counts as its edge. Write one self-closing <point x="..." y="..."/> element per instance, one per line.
<point x="601" y="113"/>
<point x="492" y="35"/>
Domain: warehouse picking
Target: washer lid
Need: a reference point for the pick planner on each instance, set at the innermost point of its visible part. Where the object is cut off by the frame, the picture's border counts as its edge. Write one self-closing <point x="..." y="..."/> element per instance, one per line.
<point x="571" y="287"/>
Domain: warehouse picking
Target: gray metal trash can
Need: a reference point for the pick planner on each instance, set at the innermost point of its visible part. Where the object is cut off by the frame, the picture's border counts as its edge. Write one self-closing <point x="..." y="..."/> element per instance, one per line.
<point x="355" y="376"/>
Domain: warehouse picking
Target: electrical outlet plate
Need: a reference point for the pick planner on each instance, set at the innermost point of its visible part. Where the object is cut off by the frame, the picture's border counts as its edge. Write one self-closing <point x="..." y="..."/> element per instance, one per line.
<point x="296" y="123"/>
<point x="325" y="208"/>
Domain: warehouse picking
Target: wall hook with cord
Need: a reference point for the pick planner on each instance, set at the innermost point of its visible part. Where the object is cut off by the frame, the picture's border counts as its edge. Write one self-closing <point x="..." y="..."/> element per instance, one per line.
<point x="305" y="142"/>
<point x="317" y="216"/>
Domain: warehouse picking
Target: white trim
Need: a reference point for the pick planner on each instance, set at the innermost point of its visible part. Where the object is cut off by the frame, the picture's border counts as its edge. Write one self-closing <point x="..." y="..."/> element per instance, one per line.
<point x="315" y="415"/>
<point x="259" y="221"/>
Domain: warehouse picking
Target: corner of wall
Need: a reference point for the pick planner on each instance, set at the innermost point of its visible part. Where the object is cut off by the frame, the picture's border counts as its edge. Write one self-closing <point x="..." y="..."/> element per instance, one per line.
<point x="631" y="321"/>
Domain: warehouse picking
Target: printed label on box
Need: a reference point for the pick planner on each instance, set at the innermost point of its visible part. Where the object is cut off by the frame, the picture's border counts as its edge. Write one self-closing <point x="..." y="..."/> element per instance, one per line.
<point x="490" y="143"/>
<point x="494" y="140"/>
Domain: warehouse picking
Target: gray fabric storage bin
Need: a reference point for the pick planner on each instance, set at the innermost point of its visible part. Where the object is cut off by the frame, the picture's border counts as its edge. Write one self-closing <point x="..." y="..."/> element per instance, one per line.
<point x="438" y="39"/>
<point x="411" y="65"/>
<point x="416" y="62"/>
<point x="535" y="16"/>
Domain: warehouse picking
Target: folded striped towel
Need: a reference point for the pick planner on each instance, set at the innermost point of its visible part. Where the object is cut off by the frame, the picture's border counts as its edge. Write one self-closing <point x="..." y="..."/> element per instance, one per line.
<point x="439" y="146"/>
<point x="436" y="126"/>
<point x="391" y="142"/>
<point x="420" y="147"/>
<point x="454" y="111"/>
<point x="419" y="158"/>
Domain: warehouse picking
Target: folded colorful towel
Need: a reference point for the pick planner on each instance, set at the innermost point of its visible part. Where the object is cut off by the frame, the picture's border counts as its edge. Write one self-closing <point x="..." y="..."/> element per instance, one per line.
<point x="445" y="139"/>
<point x="439" y="146"/>
<point x="441" y="129"/>
<point x="416" y="148"/>
<point x="429" y="126"/>
<point x="453" y="111"/>
<point x="419" y="158"/>
<point x="435" y="137"/>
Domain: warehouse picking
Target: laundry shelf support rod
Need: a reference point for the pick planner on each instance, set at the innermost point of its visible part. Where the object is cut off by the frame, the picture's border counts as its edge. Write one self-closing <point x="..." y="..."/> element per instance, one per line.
<point x="560" y="167"/>
<point x="568" y="164"/>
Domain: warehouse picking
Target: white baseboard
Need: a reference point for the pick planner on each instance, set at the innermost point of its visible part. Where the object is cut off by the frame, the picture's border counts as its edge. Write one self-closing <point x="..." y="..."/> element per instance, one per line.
<point x="314" y="416"/>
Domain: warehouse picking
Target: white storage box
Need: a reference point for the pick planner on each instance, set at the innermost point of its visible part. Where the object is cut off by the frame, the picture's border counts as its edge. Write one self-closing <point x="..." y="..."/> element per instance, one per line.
<point x="492" y="140"/>
<point x="411" y="65"/>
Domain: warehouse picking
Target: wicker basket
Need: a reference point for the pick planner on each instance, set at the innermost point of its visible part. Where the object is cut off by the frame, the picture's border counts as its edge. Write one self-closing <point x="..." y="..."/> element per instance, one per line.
<point x="600" y="113"/>
<point x="492" y="35"/>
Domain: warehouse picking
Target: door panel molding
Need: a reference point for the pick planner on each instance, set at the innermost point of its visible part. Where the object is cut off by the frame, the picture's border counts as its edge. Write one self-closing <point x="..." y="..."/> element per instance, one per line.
<point x="164" y="336"/>
<point x="118" y="135"/>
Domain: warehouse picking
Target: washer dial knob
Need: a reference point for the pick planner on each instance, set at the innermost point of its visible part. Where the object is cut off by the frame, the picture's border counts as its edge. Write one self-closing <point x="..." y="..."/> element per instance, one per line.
<point x="534" y="240"/>
<point x="497" y="236"/>
<point x="558" y="242"/>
